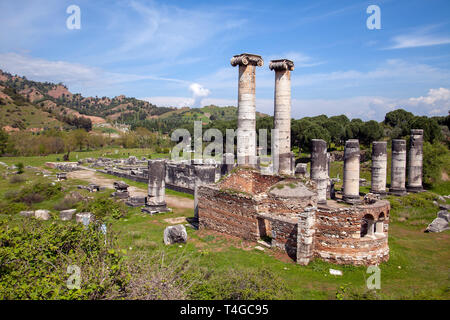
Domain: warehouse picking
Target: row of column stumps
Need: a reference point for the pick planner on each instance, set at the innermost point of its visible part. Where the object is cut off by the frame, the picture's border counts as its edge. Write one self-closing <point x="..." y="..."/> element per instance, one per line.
<point x="320" y="167"/>
<point x="246" y="133"/>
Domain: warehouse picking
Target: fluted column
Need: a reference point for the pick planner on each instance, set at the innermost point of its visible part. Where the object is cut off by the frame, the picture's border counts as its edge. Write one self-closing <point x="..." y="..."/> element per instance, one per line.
<point x="282" y="112"/>
<point x="379" y="167"/>
<point x="246" y="134"/>
<point x="351" y="172"/>
<point x="319" y="168"/>
<point x="415" y="161"/>
<point x="398" y="167"/>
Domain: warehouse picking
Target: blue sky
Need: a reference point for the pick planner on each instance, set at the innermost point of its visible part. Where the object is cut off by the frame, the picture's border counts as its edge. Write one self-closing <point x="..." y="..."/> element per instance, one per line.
<point x="178" y="52"/>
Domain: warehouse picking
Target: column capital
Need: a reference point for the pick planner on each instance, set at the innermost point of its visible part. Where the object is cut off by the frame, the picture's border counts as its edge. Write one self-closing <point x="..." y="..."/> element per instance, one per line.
<point x="244" y="59"/>
<point x="281" y="64"/>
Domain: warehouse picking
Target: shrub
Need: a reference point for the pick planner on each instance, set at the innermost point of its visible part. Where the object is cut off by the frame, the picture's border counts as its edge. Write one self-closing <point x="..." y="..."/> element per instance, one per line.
<point x="69" y="201"/>
<point x="160" y="277"/>
<point x="259" y="284"/>
<point x="12" y="208"/>
<point x="434" y="158"/>
<point x="104" y="207"/>
<point x="35" y="193"/>
<point x="16" y="179"/>
<point x="20" y="167"/>
<point x="36" y="256"/>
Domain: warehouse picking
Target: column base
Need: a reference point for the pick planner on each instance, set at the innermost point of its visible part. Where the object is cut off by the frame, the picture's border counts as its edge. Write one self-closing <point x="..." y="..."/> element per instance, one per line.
<point x="397" y="191"/>
<point x="352" y="199"/>
<point x="155" y="208"/>
<point x="415" y="189"/>
<point x="380" y="193"/>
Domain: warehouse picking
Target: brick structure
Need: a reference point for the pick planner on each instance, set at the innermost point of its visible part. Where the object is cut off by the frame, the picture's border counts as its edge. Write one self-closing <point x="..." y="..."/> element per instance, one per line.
<point x="284" y="209"/>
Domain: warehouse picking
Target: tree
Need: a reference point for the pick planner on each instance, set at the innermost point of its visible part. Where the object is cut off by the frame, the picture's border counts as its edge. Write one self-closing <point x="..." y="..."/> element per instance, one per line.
<point x="336" y="130"/>
<point x="305" y="130"/>
<point x="431" y="130"/>
<point x="80" y="138"/>
<point x="370" y="131"/>
<point x="400" y="121"/>
<point x="353" y="128"/>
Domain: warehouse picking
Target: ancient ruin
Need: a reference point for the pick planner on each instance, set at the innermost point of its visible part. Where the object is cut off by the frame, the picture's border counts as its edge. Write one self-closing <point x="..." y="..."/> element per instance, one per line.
<point x="398" y="167"/>
<point x="379" y="167"/>
<point x="282" y="113"/>
<point x="415" y="161"/>
<point x="291" y="212"/>
<point x="246" y="133"/>
<point x="156" y="202"/>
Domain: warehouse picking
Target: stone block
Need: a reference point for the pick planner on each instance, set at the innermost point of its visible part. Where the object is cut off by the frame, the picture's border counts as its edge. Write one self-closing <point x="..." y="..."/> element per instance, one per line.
<point x="175" y="234"/>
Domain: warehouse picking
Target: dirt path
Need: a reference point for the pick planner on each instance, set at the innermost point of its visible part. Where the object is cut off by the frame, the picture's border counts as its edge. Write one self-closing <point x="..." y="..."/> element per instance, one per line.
<point x="93" y="177"/>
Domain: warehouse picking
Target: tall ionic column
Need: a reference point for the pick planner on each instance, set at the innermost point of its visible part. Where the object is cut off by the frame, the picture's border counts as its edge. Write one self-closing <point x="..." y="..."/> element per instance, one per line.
<point x="379" y="167"/>
<point x="319" y="169"/>
<point x="398" y="167"/>
<point x="282" y="112"/>
<point x="351" y="172"/>
<point x="156" y="201"/>
<point x="415" y="161"/>
<point x="246" y="133"/>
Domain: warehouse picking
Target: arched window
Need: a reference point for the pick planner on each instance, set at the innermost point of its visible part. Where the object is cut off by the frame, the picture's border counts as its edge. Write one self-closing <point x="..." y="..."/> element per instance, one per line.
<point x="367" y="226"/>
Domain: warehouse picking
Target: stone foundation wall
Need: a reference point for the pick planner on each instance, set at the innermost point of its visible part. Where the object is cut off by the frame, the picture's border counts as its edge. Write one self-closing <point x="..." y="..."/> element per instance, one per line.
<point x="229" y="213"/>
<point x="179" y="177"/>
<point x="338" y="235"/>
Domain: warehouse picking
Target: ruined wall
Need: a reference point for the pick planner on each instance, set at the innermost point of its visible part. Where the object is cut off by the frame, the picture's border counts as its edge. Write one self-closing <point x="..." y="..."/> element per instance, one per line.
<point x="338" y="235"/>
<point x="248" y="181"/>
<point x="179" y="177"/>
<point x="283" y="232"/>
<point x="226" y="212"/>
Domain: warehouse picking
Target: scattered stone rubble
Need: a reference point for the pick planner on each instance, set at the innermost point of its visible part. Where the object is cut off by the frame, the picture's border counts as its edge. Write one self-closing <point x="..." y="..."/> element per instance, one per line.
<point x="175" y="234"/>
<point x="441" y="222"/>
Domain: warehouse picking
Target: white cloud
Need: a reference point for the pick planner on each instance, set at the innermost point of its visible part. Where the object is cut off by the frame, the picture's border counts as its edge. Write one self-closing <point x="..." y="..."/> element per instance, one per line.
<point x="436" y="102"/>
<point x="419" y="38"/>
<point x="71" y="74"/>
<point x="167" y="32"/>
<point x="198" y="93"/>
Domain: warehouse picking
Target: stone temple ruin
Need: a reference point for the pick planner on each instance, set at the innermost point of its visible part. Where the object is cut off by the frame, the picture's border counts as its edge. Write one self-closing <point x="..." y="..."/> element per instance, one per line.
<point x="292" y="210"/>
<point x="297" y="214"/>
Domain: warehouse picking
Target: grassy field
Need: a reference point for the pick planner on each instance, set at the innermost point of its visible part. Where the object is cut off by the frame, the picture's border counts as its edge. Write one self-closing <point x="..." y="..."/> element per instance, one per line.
<point x="417" y="269"/>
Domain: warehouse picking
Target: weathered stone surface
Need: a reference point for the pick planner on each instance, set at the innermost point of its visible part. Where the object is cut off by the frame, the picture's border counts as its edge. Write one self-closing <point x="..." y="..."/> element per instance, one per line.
<point x="319" y="168"/>
<point x="67" y="215"/>
<point x="415" y="161"/>
<point x="351" y="172"/>
<point x="175" y="234"/>
<point x="379" y="167"/>
<point x="27" y="213"/>
<point x="282" y="113"/>
<point x="120" y="185"/>
<point x="398" y="167"/>
<point x="440" y="223"/>
<point x="246" y="134"/>
<point x="42" y="214"/>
